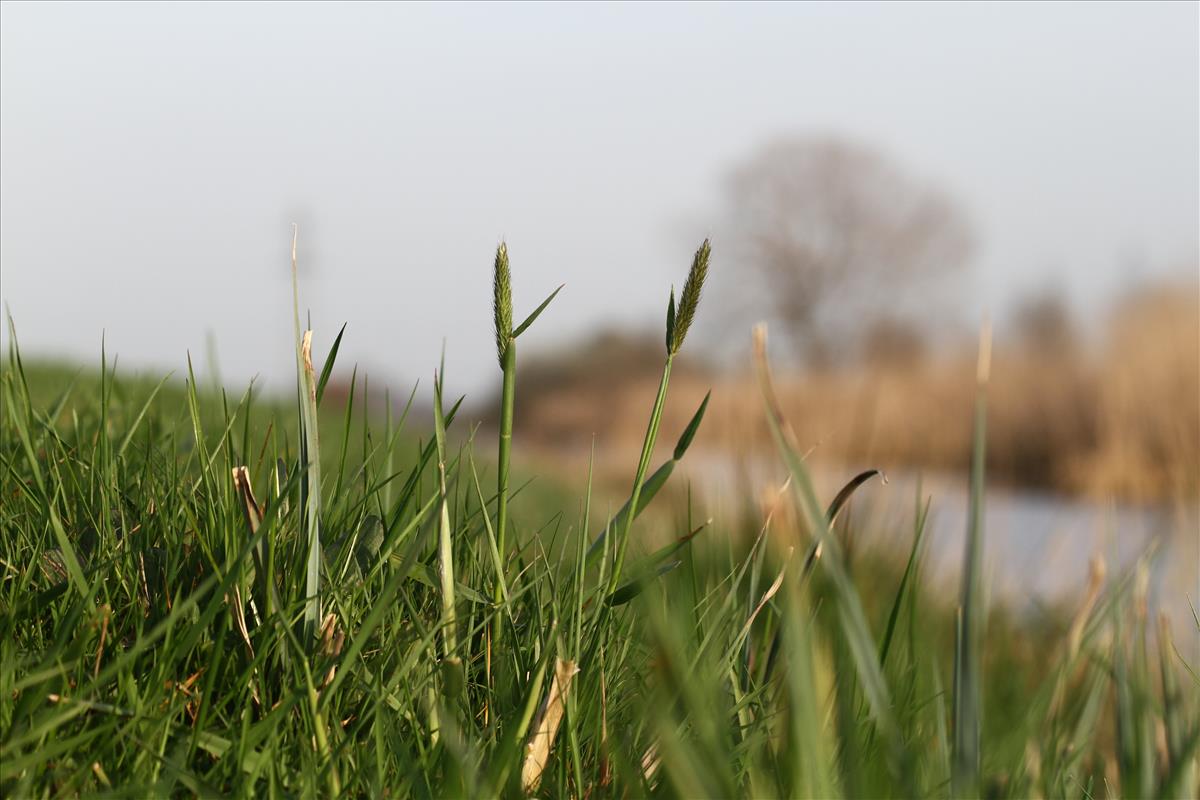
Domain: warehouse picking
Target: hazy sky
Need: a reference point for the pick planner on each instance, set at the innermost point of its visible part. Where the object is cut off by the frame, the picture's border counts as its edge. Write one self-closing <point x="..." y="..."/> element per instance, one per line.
<point x="152" y="158"/>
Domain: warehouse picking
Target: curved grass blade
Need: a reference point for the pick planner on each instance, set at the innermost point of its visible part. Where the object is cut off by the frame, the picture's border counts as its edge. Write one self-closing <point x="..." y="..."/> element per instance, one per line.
<point x="843" y="496"/>
<point x="831" y="515"/>
<point x="537" y="312"/>
<point x="328" y="366"/>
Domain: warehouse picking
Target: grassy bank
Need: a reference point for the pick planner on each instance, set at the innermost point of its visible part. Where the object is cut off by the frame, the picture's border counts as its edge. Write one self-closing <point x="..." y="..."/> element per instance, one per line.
<point x="211" y="595"/>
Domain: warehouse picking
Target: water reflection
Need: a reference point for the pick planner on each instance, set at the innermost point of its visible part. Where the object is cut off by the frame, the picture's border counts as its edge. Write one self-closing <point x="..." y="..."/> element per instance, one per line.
<point x="1037" y="545"/>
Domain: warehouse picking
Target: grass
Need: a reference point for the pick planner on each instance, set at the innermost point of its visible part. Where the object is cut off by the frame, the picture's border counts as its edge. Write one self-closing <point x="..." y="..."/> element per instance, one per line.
<point x="165" y="632"/>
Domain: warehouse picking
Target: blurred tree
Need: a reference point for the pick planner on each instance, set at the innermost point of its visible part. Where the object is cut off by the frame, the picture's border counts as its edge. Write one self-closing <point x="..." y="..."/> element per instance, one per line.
<point x="838" y="236"/>
<point x="1043" y="323"/>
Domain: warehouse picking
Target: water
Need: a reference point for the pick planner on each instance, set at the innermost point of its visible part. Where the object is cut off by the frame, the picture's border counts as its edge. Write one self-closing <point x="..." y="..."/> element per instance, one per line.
<point x="1037" y="545"/>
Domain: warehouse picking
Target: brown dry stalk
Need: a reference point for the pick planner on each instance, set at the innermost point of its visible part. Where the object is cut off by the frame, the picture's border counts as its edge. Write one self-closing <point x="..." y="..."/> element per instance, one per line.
<point x="537" y="751"/>
<point x="767" y="595"/>
<point x="651" y="761"/>
<point x="332" y="637"/>
<point x="1096" y="573"/>
<point x="245" y="493"/>
<point x="306" y="350"/>
<point x="768" y="385"/>
<point x="332" y="640"/>
<point x="145" y="584"/>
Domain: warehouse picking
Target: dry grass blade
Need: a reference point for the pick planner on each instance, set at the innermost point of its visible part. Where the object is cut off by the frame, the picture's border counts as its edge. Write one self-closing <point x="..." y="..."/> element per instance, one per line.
<point x="651" y="761"/>
<point x="245" y="493"/>
<point x="537" y="751"/>
<point x="312" y="480"/>
<point x="309" y="372"/>
<point x="253" y="513"/>
<point x="250" y="507"/>
<point x="1097" y="571"/>
<point x="766" y="598"/>
<point x="333" y="637"/>
<point x="767" y="385"/>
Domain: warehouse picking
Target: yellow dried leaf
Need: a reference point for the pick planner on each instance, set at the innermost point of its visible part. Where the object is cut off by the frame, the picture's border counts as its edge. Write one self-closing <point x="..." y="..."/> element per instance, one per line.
<point x="537" y="751"/>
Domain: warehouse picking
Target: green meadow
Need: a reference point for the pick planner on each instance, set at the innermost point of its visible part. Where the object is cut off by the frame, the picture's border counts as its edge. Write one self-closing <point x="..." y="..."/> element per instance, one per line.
<point x="212" y="594"/>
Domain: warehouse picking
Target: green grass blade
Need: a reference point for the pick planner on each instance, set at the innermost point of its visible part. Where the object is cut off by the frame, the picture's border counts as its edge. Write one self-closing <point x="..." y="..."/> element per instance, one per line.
<point x="652" y="485"/>
<point x="537" y="312"/>
<point x="327" y="368"/>
<point x="968" y="699"/>
<point x="894" y="614"/>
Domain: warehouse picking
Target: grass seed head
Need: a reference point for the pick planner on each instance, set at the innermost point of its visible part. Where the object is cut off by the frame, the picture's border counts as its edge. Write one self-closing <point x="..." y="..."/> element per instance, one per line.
<point x="689" y="299"/>
<point x="502" y="301"/>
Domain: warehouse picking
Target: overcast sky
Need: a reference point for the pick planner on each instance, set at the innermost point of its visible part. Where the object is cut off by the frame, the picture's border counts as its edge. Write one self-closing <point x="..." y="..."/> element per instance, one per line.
<point x="152" y="158"/>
